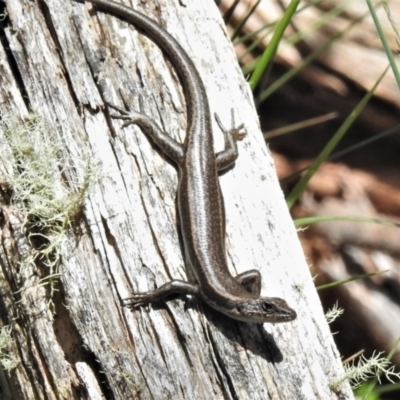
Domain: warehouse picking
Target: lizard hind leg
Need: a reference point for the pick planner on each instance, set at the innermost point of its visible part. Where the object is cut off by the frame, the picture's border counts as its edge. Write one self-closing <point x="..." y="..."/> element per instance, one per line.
<point x="251" y="281"/>
<point x="173" y="287"/>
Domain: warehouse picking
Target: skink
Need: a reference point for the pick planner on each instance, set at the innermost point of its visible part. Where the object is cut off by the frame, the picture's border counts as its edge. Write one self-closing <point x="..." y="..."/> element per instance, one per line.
<point x="199" y="197"/>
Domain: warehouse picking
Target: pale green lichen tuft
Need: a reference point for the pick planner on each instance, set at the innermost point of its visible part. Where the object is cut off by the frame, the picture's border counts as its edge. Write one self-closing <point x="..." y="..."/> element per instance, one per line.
<point x="7" y="361"/>
<point x="364" y="369"/>
<point x="47" y="186"/>
<point x="333" y="313"/>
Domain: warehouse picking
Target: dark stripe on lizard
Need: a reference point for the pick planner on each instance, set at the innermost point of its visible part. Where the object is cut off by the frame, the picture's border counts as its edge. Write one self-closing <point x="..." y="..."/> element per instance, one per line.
<point x="200" y="202"/>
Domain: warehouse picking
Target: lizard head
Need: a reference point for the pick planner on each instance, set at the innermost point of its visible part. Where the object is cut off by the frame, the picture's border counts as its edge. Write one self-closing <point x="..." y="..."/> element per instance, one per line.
<point x="263" y="309"/>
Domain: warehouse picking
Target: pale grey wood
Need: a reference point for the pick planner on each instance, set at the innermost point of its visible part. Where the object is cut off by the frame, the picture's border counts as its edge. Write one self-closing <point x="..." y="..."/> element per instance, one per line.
<point x="70" y="59"/>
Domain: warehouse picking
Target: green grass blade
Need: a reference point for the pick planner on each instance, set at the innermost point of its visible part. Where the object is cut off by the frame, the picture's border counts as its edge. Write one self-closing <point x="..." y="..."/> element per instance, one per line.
<point x="359" y="145"/>
<point x="284" y="130"/>
<point x="230" y="11"/>
<point x="270" y="51"/>
<point x="241" y="24"/>
<point x="324" y="20"/>
<point x="338" y="218"/>
<point x="330" y="146"/>
<point x="392" y="22"/>
<point x="306" y="61"/>
<point x="385" y="42"/>
<point x="353" y="278"/>
<point x="249" y="67"/>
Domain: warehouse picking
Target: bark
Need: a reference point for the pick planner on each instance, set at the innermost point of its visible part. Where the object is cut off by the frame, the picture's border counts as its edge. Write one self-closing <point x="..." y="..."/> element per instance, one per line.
<point x="62" y="60"/>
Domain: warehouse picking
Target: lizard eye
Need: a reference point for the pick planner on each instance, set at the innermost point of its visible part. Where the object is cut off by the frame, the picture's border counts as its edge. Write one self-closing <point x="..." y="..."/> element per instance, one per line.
<point x="267" y="306"/>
